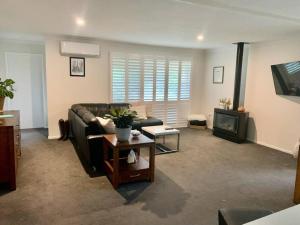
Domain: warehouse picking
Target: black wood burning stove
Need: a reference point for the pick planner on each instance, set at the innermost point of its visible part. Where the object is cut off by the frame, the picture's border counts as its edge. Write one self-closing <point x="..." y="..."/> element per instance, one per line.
<point x="231" y="124"/>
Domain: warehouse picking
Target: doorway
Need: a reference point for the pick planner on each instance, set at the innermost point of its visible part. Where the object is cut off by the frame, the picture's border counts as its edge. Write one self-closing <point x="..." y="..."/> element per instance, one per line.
<point x="27" y="70"/>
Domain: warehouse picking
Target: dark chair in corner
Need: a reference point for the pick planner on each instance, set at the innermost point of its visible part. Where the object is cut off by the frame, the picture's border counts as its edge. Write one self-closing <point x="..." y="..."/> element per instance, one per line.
<point x="240" y="216"/>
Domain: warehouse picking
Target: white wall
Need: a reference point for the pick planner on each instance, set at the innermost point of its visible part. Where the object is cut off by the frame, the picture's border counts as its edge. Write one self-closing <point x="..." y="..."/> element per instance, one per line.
<point x="275" y="119"/>
<point x="210" y="92"/>
<point x="63" y="90"/>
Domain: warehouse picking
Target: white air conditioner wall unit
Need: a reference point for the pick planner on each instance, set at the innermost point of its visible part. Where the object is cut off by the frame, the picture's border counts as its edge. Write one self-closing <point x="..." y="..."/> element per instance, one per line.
<point x="70" y="48"/>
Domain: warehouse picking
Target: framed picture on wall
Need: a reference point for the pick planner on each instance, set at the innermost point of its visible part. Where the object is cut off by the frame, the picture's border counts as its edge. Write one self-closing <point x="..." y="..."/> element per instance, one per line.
<point x="218" y="74"/>
<point x="77" y="67"/>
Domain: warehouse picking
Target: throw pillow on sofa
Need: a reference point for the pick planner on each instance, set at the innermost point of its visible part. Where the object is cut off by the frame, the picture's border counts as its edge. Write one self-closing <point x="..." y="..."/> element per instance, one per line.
<point x="107" y="124"/>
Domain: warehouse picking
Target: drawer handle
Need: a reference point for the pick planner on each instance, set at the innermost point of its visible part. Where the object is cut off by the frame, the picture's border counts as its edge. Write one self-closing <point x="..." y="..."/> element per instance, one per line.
<point x="137" y="175"/>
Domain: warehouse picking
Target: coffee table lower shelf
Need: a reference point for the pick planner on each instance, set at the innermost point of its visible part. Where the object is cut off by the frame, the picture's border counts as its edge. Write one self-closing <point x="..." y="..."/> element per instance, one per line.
<point x="163" y="149"/>
<point x="163" y="131"/>
<point x="137" y="171"/>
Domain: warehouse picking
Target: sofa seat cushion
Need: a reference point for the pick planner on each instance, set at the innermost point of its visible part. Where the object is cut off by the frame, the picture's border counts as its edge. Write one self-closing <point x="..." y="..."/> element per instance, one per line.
<point x="150" y="121"/>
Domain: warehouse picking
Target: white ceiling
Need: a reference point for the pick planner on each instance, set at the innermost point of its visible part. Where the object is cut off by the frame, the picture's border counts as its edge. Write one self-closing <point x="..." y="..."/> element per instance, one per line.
<point x="159" y="22"/>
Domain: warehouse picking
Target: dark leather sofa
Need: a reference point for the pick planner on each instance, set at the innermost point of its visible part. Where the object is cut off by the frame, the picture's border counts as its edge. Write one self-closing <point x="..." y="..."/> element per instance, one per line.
<point x="86" y="131"/>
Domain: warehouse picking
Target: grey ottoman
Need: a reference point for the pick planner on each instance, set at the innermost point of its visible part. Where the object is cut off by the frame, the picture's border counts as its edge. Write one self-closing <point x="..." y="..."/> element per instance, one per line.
<point x="240" y="216"/>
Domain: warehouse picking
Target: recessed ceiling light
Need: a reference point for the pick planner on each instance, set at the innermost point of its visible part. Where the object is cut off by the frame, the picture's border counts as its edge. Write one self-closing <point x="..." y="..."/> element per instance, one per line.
<point x="80" y="21"/>
<point x="200" y="37"/>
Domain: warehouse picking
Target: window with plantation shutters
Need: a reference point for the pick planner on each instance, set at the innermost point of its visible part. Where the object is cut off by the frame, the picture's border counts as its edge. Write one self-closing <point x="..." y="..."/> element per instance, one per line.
<point x="161" y="83"/>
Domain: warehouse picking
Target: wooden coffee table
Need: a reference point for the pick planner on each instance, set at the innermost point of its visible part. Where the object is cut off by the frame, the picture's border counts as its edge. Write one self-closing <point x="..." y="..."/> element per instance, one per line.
<point x="118" y="170"/>
<point x="162" y="131"/>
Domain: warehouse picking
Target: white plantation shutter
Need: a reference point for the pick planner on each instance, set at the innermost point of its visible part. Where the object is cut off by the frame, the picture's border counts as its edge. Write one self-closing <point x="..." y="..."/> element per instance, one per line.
<point x="148" y="79"/>
<point x="185" y="81"/>
<point x="160" y="79"/>
<point x="134" y="79"/>
<point x="118" y="79"/>
<point x="160" y="83"/>
<point x="183" y="110"/>
<point x="173" y="80"/>
<point x="158" y="110"/>
<point x="171" y="113"/>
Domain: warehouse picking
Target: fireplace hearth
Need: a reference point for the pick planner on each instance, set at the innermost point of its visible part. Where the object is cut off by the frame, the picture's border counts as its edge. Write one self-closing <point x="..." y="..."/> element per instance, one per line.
<point x="230" y="125"/>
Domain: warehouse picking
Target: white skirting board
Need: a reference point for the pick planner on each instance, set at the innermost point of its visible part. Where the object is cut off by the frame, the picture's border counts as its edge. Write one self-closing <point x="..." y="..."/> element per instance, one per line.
<point x="53" y="137"/>
<point x="272" y="146"/>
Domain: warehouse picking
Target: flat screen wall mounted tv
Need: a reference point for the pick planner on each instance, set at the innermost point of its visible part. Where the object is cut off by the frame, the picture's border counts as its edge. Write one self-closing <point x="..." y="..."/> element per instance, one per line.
<point x="287" y="78"/>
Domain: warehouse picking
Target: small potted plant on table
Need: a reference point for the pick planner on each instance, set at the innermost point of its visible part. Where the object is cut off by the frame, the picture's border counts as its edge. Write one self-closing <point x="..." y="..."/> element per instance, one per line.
<point x="123" y="119"/>
<point x="6" y="90"/>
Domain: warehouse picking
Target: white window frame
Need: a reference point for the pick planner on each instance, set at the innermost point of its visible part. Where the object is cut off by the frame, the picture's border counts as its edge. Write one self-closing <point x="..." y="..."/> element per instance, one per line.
<point x="152" y="103"/>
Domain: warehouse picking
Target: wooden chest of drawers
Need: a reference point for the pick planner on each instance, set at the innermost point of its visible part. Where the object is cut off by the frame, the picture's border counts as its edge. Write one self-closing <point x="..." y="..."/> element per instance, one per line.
<point x="10" y="147"/>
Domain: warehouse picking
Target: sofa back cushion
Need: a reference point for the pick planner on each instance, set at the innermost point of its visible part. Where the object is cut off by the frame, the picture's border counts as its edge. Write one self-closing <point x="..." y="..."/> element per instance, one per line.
<point x="118" y="105"/>
<point x="98" y="109"/>
<point x="89" y="111"/>
<point x="87" y="116"/>
<point x="80" y="117"/>
<point x="76" y="107"/>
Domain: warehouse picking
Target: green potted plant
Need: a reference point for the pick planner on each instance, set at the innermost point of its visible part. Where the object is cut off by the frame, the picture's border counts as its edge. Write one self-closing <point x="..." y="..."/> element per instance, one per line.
<point x="123" y="119"/>
<point x="225" y="103"/>
<point x="6" y="90"/>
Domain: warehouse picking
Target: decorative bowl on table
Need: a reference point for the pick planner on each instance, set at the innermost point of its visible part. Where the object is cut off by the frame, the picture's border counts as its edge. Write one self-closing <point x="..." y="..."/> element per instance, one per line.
<point x="135" y="133"/>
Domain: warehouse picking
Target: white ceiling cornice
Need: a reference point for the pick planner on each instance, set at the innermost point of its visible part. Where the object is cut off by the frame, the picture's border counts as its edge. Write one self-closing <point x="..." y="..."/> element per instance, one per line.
<point x="245" y="10"/>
